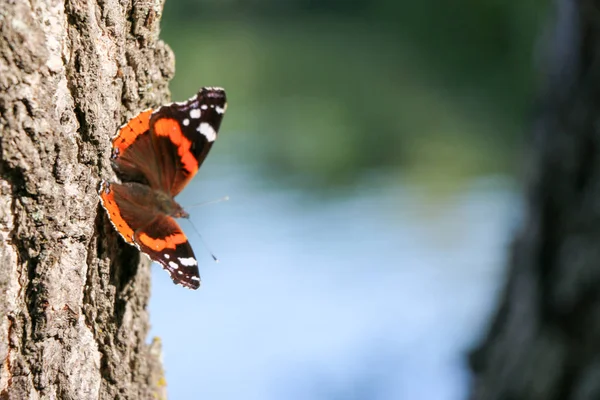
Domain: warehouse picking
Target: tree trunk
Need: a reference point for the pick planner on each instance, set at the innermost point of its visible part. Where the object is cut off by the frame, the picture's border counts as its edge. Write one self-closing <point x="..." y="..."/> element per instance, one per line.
<point x="73" y="296"/>
<point x="544" y="342"/>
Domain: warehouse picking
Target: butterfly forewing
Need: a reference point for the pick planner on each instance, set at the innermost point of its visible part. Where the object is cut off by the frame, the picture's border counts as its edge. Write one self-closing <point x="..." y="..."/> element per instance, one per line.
<point x="164" y="242"/>
<point x="192" y="127"/>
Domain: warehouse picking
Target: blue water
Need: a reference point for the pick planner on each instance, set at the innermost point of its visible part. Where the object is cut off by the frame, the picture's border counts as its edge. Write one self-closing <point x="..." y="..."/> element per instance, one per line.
<point x="375" y="294"/>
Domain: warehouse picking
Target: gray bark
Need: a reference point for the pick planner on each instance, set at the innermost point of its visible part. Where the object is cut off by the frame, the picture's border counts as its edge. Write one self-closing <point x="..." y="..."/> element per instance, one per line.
<point x="544" y="341"/>
<point x="73" y="296"/>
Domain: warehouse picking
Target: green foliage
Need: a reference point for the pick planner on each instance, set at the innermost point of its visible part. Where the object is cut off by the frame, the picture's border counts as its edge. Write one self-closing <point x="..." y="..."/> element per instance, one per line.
<point x="328" y="91"/>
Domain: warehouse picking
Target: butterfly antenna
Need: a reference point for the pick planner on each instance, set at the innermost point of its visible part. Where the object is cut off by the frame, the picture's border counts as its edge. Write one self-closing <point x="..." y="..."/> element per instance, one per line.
<point x="204" y="242"/>
<point x="219" y="200"/>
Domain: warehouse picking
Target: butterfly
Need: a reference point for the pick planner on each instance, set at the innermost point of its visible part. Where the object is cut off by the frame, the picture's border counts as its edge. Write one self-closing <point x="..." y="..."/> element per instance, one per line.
<point x="155" y="155"/>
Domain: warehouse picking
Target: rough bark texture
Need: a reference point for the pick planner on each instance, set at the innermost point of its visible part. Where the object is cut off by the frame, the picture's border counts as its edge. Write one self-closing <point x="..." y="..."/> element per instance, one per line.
<point x="73" y="297"/>
<point x="544" y="342"/>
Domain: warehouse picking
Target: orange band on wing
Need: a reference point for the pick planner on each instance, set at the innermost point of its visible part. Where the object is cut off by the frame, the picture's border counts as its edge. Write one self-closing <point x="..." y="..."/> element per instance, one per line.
<point x="109" y="203"/>
<point x="134" y="128"/>
<point x="170" y="128"/>
<point x="170" y="242"/>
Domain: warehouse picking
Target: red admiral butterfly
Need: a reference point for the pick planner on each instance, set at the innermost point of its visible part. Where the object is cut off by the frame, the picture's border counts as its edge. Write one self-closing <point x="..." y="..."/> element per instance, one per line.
<point x="155" y="155"/>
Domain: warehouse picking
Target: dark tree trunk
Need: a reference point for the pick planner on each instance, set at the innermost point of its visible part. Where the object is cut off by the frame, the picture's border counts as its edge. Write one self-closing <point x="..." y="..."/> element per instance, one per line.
<point x="544" y="342"/>
<point x="73" y="297"/>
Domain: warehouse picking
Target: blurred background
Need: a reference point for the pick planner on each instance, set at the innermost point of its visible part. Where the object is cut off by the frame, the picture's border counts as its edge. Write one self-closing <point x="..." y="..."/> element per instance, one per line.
<point x="372" y="151"/>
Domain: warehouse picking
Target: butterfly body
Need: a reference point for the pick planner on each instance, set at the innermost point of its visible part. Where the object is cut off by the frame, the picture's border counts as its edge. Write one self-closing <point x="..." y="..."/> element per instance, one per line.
<point x="155" y="155"/>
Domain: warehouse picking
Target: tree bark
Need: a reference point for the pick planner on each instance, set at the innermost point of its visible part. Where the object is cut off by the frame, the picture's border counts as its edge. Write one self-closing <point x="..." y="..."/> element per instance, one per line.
<point x="544" y="341"/>
<point x="73" y="296"/>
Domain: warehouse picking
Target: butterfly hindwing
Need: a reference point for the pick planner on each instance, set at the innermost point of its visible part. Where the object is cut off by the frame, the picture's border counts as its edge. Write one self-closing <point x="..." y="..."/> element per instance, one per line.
<point x="129" y="207"/>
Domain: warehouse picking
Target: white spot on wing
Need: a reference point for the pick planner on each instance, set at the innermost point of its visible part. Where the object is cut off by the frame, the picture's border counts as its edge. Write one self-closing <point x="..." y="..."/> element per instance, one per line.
<point x="173" y="264"/>
<point x="207" y="131"/>
<point x="186" y="122"/>
<point x="204" y="106"/>
<point x="188" y="262"/>
<point x="195" y="278"/>
<point x="195" y="113"/>
<point x="221" y="110"/>
<point x="167" y="256"/>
